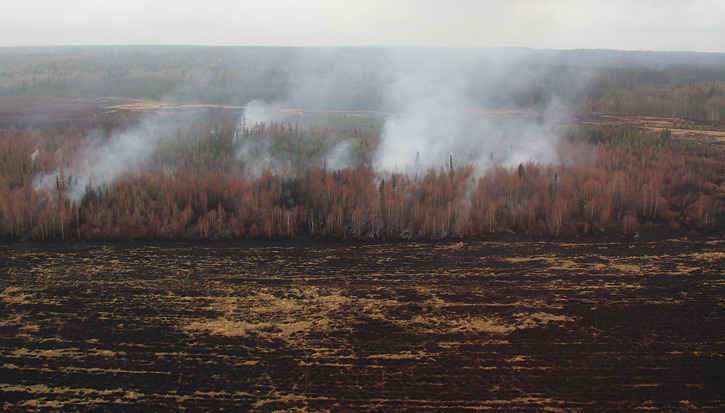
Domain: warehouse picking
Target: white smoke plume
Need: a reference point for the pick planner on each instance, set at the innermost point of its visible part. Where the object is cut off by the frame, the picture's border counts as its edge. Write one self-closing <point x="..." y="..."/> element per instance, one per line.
<point x="102" y="160"/>
<point x="340" y="156"/>
<point x="259" y="112"/>
<point x="435" y="119"/>
<point x="440" y="103"/>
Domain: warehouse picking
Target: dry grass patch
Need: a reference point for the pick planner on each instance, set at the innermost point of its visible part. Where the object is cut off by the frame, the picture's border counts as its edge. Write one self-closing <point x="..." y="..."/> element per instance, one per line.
<point x="628" y="268"/>
<point x="44" y="389"/>
<point x="483" y="325"/>
<point x="264" y="303"/>
<point x="106" y="353"/>
<point x="267" y="316"/>
<point x="49" y="353"/>
<point x="269" y="330"/>
<point x="538" y="319"/>
<point x="140" y="105"/>
<point x="453" y="247"/>
<point x="301" y="402"/>
<point x="9" y="321"/>
<point x="708" y="256"/>
<point x="517" y="260"/>
<point x="405" y="355"/>
<point x="681" y="269"/>
<point x="14" y="295"/>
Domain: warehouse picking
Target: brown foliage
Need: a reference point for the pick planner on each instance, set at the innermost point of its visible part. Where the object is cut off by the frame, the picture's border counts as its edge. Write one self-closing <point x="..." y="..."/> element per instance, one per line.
<point x="207" y="195"/>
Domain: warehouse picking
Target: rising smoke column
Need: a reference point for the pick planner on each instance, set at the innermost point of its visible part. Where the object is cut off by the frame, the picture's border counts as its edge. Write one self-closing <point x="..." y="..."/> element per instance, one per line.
<point x="102" y="160"/>
<point x="435" y="117"/>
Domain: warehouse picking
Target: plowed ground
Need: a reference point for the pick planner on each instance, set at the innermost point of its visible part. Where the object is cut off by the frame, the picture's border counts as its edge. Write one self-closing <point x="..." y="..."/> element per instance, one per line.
<point x="523" y="326"/>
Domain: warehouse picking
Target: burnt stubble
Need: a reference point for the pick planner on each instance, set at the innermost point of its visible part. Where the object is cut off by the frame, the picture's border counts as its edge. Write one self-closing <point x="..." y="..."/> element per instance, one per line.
<point x="504" y="326"/>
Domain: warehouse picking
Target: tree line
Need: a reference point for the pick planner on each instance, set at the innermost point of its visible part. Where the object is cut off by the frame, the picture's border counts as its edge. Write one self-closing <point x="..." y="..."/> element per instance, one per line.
<point x="680" y="85"/>
<point x="199" y="185"/>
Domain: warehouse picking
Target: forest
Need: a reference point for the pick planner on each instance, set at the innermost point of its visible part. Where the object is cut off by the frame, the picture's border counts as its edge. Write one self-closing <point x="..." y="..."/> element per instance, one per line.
<point x="294" y="143"/>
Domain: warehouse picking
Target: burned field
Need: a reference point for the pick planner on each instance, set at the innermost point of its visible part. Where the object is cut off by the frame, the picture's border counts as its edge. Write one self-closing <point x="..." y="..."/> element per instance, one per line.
<point x="522" y="326"/>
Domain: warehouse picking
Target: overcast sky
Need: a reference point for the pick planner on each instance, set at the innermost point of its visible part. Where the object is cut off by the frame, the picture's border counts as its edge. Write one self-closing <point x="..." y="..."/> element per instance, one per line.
<point x="681" y="25"/>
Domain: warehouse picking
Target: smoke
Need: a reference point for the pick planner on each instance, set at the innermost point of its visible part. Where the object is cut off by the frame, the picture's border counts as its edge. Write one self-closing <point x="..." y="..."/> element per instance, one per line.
<point x="441" y="106"/>
<point x="440" y="103"/>
<point x="452" y="110"/>
<point x="280" y="141"/>
<point x="102" y="160"/>
<point x="319" y="84"/>
<point x="340" y="156"/>
<point x="255" y="156"/>
<point x="258" y="112"/>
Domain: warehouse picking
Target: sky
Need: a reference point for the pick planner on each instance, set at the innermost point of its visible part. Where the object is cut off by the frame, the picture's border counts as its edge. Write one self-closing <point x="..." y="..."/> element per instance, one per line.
<point x="662" y="25"/>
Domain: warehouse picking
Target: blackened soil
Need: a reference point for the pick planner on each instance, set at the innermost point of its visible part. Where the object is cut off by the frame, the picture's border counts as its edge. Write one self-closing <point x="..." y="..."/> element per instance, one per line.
<point x="522" y="326"/>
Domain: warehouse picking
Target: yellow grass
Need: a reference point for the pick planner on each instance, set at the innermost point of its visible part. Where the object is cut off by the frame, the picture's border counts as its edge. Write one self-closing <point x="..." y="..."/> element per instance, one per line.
<point x="14" y="295"/>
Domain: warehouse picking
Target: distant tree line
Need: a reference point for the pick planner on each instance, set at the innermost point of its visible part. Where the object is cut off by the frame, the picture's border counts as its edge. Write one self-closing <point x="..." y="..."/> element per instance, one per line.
<point x="687" y="86"/>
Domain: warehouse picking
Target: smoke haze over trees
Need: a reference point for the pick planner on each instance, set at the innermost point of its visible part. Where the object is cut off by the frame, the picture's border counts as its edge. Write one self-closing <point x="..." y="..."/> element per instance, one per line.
<point x="354" y="143"/>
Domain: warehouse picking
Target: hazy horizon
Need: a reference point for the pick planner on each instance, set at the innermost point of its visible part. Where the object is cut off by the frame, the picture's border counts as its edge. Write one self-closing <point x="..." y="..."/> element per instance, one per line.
<point x="648" y="25"/>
